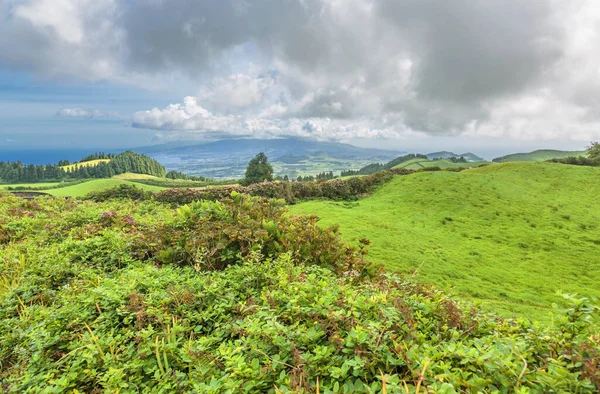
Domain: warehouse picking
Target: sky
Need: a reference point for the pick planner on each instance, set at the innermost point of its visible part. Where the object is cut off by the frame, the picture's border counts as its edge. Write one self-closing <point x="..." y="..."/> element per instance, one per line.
<point x="493" y="76"/>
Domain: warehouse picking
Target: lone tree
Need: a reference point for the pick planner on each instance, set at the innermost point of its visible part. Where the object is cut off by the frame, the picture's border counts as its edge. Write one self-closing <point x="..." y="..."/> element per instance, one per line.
<point x="258" y="170"/>
<point x="594" y="153"/>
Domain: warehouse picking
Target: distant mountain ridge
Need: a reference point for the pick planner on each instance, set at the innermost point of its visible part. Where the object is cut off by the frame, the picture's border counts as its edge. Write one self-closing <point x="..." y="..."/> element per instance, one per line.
<point x="274" y="148"/>
<point x="289" y="156"/>
<point x="539" y="155"/>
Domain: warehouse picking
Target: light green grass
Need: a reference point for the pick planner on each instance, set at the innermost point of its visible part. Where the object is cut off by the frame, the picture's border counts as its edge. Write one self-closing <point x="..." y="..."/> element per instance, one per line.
<point x="510" y="235"/>
<point x="91" y="163"/>
<point x="131" y="175"/>
<point x="82" y="189"/>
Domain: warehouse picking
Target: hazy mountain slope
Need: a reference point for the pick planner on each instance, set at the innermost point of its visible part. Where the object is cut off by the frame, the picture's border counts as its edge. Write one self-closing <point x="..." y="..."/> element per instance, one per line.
<point x="228" y="158"/>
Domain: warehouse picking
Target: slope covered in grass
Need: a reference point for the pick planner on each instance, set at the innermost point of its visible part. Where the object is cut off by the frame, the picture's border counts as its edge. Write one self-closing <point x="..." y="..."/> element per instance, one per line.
<point x="539" y="155"/>
<point x="95" y="185"/>
<point x="417" y="164"/>
<point x="510" y="235"/>
<point x="130" y="175"/>
<point x="90" y="163"/>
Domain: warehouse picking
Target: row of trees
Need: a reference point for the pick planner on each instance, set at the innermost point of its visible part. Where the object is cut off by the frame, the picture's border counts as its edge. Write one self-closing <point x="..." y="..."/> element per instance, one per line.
<point x="16" y="172"/>
<point x="180" y="175"/>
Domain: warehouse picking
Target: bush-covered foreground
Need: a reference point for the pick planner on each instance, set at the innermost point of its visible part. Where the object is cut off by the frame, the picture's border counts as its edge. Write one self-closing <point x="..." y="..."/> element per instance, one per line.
<point x="234" y="296"/>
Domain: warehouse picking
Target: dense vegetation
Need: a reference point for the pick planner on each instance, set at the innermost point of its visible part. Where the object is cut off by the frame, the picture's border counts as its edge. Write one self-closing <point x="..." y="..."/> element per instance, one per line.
<point x="376" y="167"/>
<point x="509" y="235"/>
<point x="16" y="172"/>
<point x="235" y="296"/>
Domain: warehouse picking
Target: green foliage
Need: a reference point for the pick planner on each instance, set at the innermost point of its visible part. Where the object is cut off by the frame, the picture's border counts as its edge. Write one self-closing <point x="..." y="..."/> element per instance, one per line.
<point x="507" y="235"/>
<point x="258" y="170"/>
<point x="90" y="304"/>
<point x="593" y="152"/>
<point x="126" y="191"/>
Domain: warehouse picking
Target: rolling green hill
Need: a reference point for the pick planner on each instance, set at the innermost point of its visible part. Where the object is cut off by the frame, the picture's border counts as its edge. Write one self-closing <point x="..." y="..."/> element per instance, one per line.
<point x="95" y="185"/>
<point x="416" y="164"/>
<point x="509" y="235"/>
<point x="539" y="155"/>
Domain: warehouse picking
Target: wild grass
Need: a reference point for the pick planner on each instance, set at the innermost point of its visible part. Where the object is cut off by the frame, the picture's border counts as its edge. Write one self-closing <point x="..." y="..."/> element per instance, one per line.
<point x="509" y="235"/>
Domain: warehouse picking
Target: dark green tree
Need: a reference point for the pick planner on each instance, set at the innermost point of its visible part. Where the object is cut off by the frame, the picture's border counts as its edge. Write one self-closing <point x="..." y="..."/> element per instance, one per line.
<point x="258" y="170"/>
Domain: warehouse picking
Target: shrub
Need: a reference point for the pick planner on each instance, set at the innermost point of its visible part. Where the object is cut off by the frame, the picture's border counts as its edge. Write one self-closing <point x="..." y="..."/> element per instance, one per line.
<point x="125" y="191"/>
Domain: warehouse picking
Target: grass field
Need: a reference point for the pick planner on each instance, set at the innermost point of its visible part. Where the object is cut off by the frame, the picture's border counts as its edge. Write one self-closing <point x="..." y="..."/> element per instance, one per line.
<point x="509" y="235"/>
<point x="91" y="163"/>
<point x="416" y="164"/>
<point x="82" y="189"/>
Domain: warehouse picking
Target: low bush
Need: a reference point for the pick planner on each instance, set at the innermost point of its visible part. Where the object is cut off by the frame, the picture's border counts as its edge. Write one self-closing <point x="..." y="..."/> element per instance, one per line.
<point x="122" y="191"/>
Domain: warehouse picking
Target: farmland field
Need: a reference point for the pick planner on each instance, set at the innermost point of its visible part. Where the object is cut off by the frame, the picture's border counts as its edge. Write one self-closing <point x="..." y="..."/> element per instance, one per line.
<point x="509" y="235"/>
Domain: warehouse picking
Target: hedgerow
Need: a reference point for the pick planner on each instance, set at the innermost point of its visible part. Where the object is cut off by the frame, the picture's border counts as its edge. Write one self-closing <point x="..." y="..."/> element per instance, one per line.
<point x="291" y="192"/>
<point x="237" y="296"/>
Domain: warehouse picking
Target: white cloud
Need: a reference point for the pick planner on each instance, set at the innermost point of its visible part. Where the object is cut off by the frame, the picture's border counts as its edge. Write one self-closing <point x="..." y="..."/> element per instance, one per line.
<point x="334" y="69"/>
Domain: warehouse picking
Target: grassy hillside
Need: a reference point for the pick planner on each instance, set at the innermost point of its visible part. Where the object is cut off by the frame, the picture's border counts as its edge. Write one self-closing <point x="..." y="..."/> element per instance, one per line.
<point x="539" y="155"/>
<point x="509" y="235"/>
<point x="91" y="163"/>
<point x="130" y="175"/>
<point x="83" y="189"/>
<point x="416" y="164"/>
